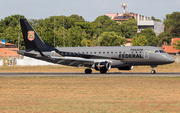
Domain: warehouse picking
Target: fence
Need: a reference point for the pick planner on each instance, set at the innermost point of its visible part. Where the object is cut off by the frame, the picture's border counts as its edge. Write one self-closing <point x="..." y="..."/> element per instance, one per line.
<point x="26" y="61"/>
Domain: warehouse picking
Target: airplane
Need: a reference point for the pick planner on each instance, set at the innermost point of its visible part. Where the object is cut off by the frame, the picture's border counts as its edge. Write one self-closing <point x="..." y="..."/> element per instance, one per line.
<point x="99" y="58"/>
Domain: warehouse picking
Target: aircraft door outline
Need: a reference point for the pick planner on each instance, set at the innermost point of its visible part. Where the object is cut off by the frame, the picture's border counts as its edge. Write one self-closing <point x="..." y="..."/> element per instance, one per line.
<point x="146" y="54"/>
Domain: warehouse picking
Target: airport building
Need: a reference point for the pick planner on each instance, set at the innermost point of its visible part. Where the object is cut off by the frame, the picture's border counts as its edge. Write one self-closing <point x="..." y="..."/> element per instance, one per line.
<point x="157" y="26"/>
<point x="120" y="17"/>
<point x="143" y="22"/>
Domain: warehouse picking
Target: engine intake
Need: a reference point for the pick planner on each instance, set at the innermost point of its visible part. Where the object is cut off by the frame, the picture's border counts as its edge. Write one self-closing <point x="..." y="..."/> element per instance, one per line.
<point x="126" y="68"/>
<point x="102" y="66"/>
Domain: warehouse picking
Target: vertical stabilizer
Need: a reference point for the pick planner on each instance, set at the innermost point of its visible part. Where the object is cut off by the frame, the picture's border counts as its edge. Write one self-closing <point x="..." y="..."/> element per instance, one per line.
<point x="31" y="38"/>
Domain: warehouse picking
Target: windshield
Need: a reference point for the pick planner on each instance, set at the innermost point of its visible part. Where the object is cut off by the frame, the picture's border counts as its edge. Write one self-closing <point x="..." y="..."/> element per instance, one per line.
<point x="161" y="51"/>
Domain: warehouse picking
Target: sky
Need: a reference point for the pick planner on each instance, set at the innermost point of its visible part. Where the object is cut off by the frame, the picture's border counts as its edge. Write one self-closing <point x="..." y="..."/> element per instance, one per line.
<point x="88" y="9"/>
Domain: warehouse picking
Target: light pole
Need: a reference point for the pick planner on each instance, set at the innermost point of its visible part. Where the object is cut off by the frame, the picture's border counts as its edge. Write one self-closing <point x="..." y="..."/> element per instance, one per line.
<point x="54" y="30"/>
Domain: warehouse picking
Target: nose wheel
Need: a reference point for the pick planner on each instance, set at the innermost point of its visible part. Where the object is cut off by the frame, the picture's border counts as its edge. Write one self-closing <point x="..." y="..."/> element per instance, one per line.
<point x="153" y="71"/>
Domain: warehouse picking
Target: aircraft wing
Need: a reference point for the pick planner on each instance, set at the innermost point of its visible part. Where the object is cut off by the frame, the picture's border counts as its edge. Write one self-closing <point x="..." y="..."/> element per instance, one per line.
<point x="76" y="61"/>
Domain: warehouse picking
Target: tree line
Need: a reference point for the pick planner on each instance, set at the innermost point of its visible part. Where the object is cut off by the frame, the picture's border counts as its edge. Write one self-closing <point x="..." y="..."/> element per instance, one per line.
<point x="73" y="31"/>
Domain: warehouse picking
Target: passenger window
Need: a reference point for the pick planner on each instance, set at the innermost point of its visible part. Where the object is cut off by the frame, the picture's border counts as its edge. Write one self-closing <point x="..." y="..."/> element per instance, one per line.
<point x="120" y="52"/>
<point x="86" y="52"/>
<point x="111" y="52"/>
<point x="103" y="52"/>
<point x="99" y="52"/>
<point x="115" y="52"/>
<point x="94" y="52"/>
<point x="90" y="52"/>
<point x="107" y="52"/>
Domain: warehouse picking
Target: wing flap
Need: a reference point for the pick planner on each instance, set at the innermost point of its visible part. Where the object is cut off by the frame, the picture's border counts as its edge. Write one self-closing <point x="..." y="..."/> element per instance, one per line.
<point x="73" y="59"/>
<point x="78" y="61"/>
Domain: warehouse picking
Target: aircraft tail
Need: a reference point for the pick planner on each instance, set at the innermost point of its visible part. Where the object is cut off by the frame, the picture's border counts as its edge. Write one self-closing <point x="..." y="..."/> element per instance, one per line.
<point x="31" y="38"/>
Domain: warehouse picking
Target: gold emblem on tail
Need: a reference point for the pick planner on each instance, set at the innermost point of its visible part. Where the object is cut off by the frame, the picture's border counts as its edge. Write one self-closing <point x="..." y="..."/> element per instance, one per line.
<point x="31" y="35"/>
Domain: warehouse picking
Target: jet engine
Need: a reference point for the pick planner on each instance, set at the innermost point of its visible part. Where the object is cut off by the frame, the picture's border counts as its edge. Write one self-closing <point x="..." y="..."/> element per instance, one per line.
<point x="126" y="68"/>
<point x="103" y="67"/>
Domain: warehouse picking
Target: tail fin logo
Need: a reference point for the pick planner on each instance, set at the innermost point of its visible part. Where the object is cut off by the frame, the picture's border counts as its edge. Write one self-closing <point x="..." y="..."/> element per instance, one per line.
<point x="31" y="35"/>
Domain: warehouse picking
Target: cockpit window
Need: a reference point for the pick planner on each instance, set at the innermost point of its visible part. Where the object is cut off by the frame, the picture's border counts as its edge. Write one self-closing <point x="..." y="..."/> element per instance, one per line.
<point x="156" y="51"/>
<point x="161" y="51"/>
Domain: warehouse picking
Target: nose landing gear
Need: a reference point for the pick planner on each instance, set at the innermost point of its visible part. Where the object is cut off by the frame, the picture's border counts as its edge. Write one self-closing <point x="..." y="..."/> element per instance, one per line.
<point x="153" y="71"/>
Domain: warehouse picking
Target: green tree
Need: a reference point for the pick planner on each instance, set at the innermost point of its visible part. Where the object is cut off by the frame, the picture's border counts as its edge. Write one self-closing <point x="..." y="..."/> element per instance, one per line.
<point x="139" y="41"/>
<point x="164" y="38"/>
<point x="153" y="18"/>
<point x="111" y="39"/>
<point x="76" y="36"/>
<point x="177" y="45"/>
<point x="150" y="36"/>
<point x="85" y="42"/>
<point x="172" y="24"/>
<point x="103" y="24"/>
<point x="86" y="28"/>
<point x="129" y="28"/>
<point x="9" y="28"/>
<point x="77" y="18"/>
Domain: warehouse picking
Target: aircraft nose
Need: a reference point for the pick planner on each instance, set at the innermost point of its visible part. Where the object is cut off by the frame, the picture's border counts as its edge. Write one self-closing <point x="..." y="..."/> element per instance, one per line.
<point x="170" y="59"/>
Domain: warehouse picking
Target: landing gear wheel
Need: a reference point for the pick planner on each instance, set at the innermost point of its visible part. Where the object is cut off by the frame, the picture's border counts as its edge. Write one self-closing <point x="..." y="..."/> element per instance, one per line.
<point x="103" y="71"/>
<point x="153" y="71"/>
<point x="88" y="71"/>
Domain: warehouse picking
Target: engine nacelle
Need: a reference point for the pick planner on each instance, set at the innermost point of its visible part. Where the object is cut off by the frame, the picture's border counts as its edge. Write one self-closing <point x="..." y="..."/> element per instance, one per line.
<point x="126" y="68"/>
<point x="102" y="66"/>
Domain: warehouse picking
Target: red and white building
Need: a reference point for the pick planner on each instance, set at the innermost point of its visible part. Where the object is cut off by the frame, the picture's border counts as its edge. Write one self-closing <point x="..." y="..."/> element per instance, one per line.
<point x="143" y="22"/>
<point x="170" y="48"/>
<point x="5" y="52"/>
<point x="119" y="17"/>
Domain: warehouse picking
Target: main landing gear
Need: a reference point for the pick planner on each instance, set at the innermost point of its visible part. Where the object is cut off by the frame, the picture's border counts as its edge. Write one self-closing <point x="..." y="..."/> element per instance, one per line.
<point x="153" y="71"/>
<point x="88" y="71"/>
<point x="103" y="71"/>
